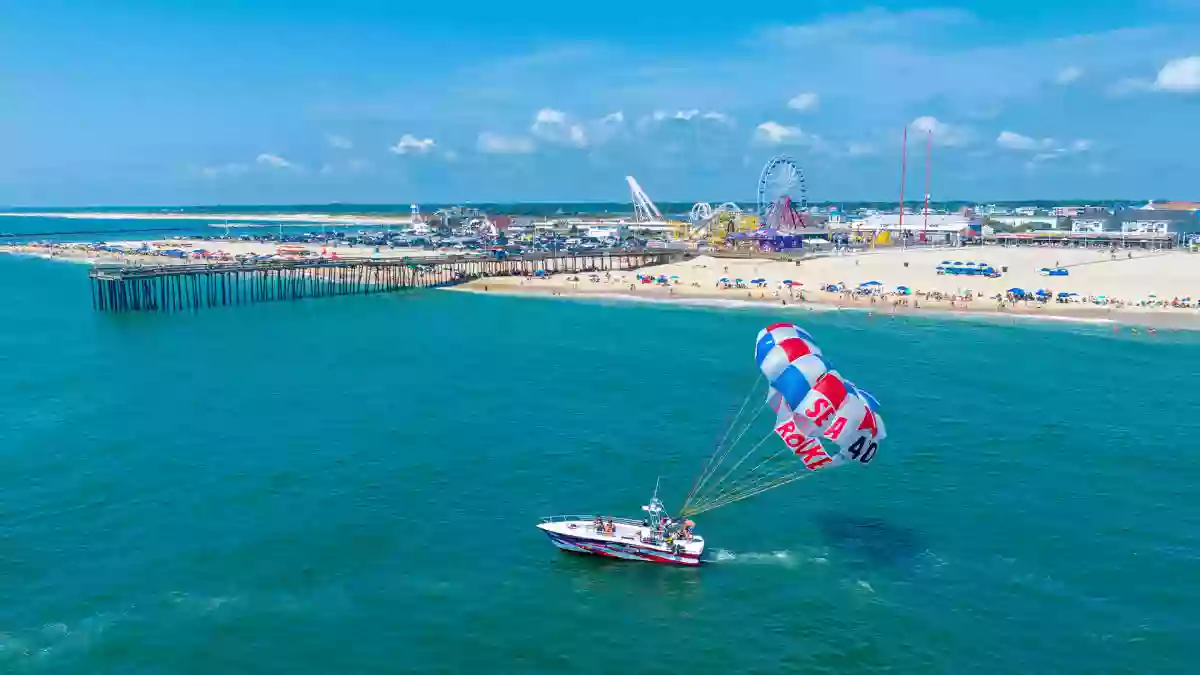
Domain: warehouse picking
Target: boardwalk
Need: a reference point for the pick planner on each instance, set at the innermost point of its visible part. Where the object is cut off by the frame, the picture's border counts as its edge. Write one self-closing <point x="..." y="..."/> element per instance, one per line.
<point x="192" y="286"/>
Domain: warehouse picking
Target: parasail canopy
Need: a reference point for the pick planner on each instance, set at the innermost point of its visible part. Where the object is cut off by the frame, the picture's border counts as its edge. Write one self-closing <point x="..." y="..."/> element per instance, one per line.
<point x="820" y="420"/>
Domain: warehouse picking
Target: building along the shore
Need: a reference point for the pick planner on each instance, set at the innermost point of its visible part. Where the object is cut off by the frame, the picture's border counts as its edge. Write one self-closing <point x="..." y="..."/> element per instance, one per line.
<point x="1153" y="221"/>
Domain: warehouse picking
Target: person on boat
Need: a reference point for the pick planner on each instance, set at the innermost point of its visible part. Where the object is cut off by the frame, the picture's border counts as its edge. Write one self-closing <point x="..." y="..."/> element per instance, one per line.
<point x="609" y="528"/>
<point x="598" y="524"/>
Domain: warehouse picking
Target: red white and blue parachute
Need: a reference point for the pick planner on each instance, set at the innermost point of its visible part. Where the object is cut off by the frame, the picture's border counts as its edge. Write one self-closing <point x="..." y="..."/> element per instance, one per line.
<point x="822" y="419"/>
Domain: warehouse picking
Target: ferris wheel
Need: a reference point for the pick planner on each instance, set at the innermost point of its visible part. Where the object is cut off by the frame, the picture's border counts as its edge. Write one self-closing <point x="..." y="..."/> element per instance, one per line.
<point x="781" y="186"/>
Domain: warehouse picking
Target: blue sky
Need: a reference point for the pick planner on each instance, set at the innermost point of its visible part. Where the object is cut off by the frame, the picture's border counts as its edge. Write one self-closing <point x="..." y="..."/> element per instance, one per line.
<point x="216" y="101"/>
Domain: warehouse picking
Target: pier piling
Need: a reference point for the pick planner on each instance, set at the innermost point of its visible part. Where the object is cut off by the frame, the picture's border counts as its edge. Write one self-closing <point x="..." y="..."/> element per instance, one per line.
<point x="133" y="288"/>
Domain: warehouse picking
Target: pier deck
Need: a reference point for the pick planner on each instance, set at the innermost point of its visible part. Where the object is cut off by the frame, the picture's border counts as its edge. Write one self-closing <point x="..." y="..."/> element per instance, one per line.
<point x="123" y="287"/>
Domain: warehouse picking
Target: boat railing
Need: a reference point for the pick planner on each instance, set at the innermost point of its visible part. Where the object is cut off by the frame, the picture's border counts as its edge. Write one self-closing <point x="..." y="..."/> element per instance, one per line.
<point x="591" y="517"/>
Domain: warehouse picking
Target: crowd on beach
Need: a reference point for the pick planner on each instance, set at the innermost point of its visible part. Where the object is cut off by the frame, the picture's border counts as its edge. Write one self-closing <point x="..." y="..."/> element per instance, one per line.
<point x="798" y="284"/>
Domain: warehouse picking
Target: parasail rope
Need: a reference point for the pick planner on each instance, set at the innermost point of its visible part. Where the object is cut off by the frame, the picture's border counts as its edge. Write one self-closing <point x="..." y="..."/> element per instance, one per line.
<point x="728" y="430"/>
<point x="750" y="477"/>
<point x="719" y="455"/>
<point x="751" y="484"/>
<point x="745" y="456"/>
<point x="738" y="497"/>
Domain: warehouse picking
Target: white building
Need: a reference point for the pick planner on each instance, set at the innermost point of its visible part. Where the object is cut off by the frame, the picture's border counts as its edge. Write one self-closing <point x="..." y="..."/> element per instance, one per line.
<point x="1049" y="222"/>
<point x="608" y="231"/>
<point x="914" y="222"/>
<point x="1088" y="224"/>
<point x="1143" y="226"/>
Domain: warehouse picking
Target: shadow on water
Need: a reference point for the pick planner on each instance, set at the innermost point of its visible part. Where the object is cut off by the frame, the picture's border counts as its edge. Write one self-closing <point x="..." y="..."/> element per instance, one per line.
<point x="869" y="542"/>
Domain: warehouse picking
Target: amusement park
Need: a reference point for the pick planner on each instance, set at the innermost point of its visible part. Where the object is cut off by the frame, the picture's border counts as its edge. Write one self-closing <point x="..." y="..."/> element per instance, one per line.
<point x="780" y="211"/>
<point x="779" y="218"/>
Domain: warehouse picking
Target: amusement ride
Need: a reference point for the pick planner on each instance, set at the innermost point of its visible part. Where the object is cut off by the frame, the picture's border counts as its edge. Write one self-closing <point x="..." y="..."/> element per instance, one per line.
<point x="782" y="194"/>
<point x="781" y="204"/>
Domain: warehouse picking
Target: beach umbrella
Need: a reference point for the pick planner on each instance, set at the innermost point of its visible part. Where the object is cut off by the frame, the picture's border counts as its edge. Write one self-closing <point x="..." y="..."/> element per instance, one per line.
<point x="947" y="262"/>
<point x="788" y="282"/>
<point x="738" y="281"/>
<point x="723" y="279"/>
<point x="870" y="283"/>
<point x="673" y="276"/>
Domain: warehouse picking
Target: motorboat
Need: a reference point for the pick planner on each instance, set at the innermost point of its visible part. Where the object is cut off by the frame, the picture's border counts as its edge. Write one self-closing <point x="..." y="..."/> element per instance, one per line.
<point x="656" y="538"/>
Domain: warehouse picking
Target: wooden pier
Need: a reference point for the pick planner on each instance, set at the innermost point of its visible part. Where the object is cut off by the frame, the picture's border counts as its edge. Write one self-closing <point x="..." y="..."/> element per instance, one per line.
<point x="125" y="288"/>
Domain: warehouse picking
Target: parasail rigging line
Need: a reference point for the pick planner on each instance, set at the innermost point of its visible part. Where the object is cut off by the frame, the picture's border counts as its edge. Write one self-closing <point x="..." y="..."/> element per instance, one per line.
<point x="784" y="480"/>
<point x="745" y="456"/>
<point x="746" y="479"/>
<point x="721" y="455"/>
<point x="728" y="430"/>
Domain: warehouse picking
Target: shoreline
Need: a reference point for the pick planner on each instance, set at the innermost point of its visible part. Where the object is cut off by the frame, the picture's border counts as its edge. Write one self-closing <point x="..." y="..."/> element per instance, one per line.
<point x="1117" y="319"/>
<point x="695" y="283"/>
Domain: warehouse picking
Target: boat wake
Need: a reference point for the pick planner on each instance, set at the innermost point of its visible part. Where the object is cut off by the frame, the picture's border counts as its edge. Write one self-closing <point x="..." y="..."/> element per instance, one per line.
<point x="776" y="558"/>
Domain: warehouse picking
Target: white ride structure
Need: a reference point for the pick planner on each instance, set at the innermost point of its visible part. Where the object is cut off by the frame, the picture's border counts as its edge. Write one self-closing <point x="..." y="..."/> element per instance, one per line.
<point x="644" y="210"/>
<point x="704" y="219"/>
<point x="657" y="539"/>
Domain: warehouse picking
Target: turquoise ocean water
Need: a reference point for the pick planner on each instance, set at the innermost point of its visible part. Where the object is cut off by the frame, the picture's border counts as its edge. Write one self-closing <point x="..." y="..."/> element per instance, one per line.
<point x="351" y="485"/>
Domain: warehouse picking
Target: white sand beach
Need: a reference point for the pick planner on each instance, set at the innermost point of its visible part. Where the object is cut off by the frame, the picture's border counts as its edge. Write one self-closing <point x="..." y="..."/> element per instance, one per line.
<point x="1141" y="288"/>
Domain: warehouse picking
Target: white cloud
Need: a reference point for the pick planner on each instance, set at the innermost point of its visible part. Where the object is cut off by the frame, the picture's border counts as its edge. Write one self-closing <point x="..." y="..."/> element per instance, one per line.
<point x="1180" y="76"/>
<point x="1068" y="75"/>
<point x="1045" y="149"/>
<point x="556" y="127"/>
<point x="805" y="101"/>
<point x="494" y="143"/>
<point x="949" y="135"/>
<point x="274" y="161"/>
<point x="1011" y="140"/>
<point x="870" y="23"/>
<point x="774" y="133"/>
<point x="1128" y="86"/>
<point x="232" y="169"/>
<point x="339" y="142"/>
<point x="689" y="115"/>
<point x="682" y="115"/>
<point x="411" y="145"/>
<point x="858" y="149"/>
<point x="450" y="156"/>
<point x="617" y="117"/>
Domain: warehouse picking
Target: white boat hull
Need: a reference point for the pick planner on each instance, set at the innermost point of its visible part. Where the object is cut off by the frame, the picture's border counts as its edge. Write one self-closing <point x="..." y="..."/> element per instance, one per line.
<point x="627" y="542"/>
